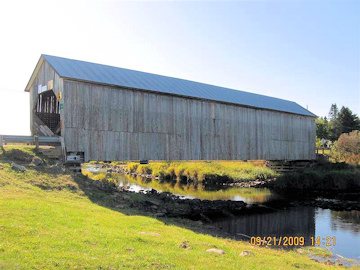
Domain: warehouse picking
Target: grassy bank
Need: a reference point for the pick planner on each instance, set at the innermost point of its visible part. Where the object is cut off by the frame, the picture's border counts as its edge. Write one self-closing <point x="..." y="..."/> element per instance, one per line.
<point x="224" y="171"/>
<point x="330" y="176"/>
<point x="52" y="219"/>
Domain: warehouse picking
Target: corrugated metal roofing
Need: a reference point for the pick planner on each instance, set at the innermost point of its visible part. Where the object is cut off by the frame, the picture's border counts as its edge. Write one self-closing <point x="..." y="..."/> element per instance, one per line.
<point x="98" y="73"/>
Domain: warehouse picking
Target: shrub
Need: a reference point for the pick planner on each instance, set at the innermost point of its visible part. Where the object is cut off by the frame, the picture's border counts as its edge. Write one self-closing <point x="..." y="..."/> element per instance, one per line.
<point x="347" y="148"/>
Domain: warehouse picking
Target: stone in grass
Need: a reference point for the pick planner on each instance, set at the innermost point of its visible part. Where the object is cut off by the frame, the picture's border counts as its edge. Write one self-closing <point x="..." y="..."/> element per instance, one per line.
<point x="329" y="262"/>
<point x="37" y="161"/>
<point x="245" y="253"/>
<point x="57" y="167"/>
<point x="18" y="167"/>
<point x="215" y="250"/>
<point x="185" y="245"/>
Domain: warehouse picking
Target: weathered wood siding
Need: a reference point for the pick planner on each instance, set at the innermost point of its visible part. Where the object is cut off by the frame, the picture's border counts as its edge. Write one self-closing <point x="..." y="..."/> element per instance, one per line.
<point x="111" y="123"/>
<point x="45" y="74"/>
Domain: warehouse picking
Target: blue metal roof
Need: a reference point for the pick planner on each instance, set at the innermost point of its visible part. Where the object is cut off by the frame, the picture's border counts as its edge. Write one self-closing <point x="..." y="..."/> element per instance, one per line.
<point x="103" y="74"/>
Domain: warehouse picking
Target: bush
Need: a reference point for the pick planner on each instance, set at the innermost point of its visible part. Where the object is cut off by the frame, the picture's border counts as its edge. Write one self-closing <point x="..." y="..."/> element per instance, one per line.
<point x="347" y="148"/>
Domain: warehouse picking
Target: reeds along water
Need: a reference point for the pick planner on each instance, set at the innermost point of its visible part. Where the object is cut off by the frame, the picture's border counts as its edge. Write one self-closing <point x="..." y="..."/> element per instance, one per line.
<point x="225" y="171"/>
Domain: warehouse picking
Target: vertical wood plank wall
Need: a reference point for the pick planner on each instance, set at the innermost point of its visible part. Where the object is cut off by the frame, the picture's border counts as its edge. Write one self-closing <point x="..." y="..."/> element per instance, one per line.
<point x="111" y="123"/>
<point x="45" y="74"/>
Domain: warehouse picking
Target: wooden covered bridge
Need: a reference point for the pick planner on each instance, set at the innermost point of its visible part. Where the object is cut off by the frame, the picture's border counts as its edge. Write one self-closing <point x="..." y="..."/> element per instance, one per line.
<point x="109" y="113"/>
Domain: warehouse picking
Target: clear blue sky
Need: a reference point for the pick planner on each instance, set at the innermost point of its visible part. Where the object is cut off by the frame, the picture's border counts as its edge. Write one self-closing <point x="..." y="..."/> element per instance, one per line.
<point x="304" y="51"/>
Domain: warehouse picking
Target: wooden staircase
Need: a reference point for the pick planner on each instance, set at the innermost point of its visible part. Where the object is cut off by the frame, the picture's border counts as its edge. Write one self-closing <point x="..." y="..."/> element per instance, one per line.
<point x="289" y="166"/>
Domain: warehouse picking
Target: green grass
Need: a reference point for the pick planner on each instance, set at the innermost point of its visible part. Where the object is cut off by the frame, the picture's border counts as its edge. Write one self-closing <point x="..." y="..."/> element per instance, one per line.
<point x="224" y="171"/>
<point x="317" y="251"/>
<point x="55" y="220"/>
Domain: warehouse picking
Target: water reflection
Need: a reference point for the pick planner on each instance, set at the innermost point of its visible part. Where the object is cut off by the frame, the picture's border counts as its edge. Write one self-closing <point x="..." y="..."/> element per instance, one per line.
<point x="196" y="190"/>
<point x="184" y="189"/>
<point x="345" y="220"/>
<point x="344" y="226"/>
<point x="298" y="221"/>
<point x="301" y="221"/>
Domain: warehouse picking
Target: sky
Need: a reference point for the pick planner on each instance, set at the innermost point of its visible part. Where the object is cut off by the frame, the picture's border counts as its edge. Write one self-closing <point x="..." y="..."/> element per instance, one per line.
<point x="303" y="51"/>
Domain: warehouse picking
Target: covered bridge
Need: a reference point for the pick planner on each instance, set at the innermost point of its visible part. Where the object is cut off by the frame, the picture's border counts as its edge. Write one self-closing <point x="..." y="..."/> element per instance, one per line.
<point x="109" y="113"/>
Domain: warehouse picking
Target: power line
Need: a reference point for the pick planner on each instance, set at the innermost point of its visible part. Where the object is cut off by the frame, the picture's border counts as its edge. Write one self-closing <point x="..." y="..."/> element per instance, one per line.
<point x="14" y="91"/>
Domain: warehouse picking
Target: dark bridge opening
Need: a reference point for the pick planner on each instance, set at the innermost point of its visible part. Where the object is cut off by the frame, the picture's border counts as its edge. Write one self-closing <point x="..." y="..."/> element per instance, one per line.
<point x="48" y="110"/>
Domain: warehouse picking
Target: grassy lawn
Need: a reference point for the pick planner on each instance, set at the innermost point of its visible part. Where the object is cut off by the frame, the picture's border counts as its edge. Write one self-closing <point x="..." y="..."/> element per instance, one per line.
<point x="52" y="219"/>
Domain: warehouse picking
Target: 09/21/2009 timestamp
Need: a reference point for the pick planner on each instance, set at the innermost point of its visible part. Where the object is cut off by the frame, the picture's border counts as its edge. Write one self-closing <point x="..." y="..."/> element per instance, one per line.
<point x="292" y="241"/>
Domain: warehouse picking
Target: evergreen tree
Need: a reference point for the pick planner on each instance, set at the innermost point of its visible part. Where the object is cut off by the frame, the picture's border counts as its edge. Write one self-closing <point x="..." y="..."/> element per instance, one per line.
<point x="346" y="121"/>
<point x="333" y="131"/>
<point x="339" y="122"/>
<point x="333" y="113"/>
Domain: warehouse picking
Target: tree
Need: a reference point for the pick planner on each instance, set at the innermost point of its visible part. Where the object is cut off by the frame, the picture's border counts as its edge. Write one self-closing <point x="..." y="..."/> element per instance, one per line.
<point x="333" y="113"/>
<point x="339" y="122"/>
<point x="346" y="121"/>
<point x="333" y="128"/>
<point x="322" y="128"/>
<point x="347" y="148"/>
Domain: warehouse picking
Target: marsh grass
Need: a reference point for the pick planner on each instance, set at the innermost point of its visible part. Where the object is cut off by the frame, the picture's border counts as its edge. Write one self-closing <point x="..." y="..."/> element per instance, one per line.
<point x="215" y="171"/>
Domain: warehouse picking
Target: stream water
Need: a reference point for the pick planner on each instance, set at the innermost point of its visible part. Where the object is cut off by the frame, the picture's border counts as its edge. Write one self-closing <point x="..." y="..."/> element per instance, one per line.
<point x="297" y="221"/>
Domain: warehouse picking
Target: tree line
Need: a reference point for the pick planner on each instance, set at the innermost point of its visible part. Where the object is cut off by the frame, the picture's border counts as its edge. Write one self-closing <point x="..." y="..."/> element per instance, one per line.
<point x="337" y="123"/>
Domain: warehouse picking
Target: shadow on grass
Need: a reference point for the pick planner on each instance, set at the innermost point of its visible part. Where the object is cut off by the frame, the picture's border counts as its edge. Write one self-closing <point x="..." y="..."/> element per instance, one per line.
<point x="23" y="155"/>
<point x="16" y="155"/>
<point x="107" y="195"/>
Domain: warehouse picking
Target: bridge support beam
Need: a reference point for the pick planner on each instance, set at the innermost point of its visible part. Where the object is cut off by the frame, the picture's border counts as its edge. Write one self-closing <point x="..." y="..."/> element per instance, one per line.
<point x="2" y="144"/>
<point x="36" y="142"/>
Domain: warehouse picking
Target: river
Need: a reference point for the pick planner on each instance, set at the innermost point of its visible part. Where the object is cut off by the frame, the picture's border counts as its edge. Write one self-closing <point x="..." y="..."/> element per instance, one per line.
<point x="342" y="227"/>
